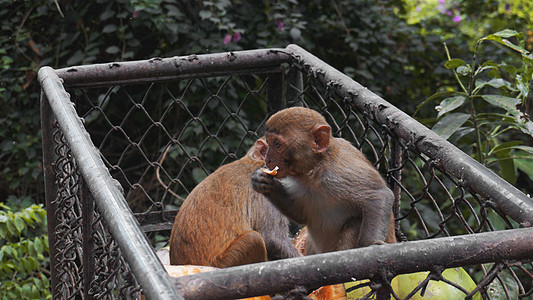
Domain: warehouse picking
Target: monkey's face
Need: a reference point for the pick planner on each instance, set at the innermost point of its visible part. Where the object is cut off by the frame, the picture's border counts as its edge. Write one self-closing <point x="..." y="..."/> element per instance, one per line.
<point x="277" y="154"/>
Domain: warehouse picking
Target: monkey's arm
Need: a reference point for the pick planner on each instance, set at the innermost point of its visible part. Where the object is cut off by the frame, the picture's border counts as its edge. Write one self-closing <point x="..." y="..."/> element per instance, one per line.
<point x="277" y="194"/>
<point x="376" y="220"/>
<point x="278" y="248"/>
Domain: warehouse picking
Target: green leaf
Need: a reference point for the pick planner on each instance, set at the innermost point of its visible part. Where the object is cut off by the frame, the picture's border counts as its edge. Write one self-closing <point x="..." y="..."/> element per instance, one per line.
<point x="76" y="58"/>
<point x="507" y="103"/>
<point x="525" y="148"/>
<point x="12" y="230"/>
<point x="460" y="133"/>
<point x="488" y="65"/>
<point x="464" y="70"/>
<point x="35" y="294"/>
<point x="495" y="83"/>
<point x="498" y="291"/>
<point x="525" y="165"/>
<point x="446" y="126"/>
<point x="38" y="245"/>
<point x="506" y="33"/>
<point x="506" y="146"/>
<point x="109" y="28"/>
<point x="522" y="85"/>
<point x="433" y="97"/>
<point x="108" y="13"/>
<point x="19" y="223"/>
<point x="205" y="14"/>
<point x="295" y="33"/>
<point x="501" y="38"/>
<point x="112" y="50"/>
<point x="26" y="291"/>
<point x="507" y="167"/>
<point x="449" y="104"/>
<point x="454" y="63"/>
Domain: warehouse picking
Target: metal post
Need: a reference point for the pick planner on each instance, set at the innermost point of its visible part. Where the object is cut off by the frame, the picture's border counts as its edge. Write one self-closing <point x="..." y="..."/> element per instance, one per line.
<point x="396" y="177"/>
<point x="294" y="88"/>
<point x="87" y="203"/>
<point x="275" y="93"/>
<point x="49" y="158"/>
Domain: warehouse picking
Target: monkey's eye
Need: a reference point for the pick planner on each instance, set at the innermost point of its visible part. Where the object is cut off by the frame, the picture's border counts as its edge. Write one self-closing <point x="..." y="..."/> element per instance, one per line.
<point x="276" y="143"/>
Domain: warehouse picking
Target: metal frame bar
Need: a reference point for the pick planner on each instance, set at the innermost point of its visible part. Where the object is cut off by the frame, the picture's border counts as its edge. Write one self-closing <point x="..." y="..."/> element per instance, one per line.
<point x="342" y="266"/>
<point x="49" y="156"/>
<point x="160" y="69"/>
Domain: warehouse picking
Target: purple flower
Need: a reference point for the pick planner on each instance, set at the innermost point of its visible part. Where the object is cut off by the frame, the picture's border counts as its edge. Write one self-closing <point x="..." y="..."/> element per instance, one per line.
<point x="227" y="39"/>
<point x="236" y="37"/>
<point x="441" y="2"/>
<point x="457" y="19"/>
<point x="507" y="7"/>
<point x="280" y="24"/>
<point x="135" y="14"/>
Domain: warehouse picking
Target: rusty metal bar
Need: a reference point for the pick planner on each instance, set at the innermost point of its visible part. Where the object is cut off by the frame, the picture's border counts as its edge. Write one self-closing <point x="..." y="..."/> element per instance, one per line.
<point x="294" y="87"/>
<point x="445" y="155"/>
<point x="88" y="239"/>
<point x="275" y="93"/>
<point x="396" y="177"/>
<point x="110" y="202"/>
<point x="342" y="266"/>
<point x="50" y="188"/>
<point x="160" y="69"/>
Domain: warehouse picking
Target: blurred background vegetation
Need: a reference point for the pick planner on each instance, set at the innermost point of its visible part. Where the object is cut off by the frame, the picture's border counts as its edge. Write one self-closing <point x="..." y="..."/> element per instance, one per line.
<point x="439" y="60"/>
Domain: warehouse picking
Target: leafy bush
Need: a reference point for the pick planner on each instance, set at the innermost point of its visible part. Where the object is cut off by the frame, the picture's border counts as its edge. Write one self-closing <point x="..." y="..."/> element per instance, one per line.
<point x="366" y="39"/>
<point x="23" y="253"/>
<point x="483" y="116"/>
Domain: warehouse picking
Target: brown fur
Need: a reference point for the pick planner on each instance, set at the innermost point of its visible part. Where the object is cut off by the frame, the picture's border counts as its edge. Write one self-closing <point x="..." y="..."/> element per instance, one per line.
<point x="325" y="183"/>
<point x="224" y="222"/>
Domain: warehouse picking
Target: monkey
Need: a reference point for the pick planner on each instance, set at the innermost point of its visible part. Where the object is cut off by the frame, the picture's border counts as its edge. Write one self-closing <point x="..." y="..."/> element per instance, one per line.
<point x="324" y="183"/>
<point x="224" y="222"/>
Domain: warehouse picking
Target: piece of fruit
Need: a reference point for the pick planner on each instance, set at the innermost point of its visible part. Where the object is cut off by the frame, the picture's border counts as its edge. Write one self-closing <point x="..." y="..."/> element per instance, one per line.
<point x="329" y="292"/>
<point x="272" y="172"/>
<point x="406" y="283"/>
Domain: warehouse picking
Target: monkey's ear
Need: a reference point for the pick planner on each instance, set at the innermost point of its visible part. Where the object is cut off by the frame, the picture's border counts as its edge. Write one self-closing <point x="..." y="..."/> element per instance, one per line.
<point x="321" y="135"/>
<point x="260" y="149"/>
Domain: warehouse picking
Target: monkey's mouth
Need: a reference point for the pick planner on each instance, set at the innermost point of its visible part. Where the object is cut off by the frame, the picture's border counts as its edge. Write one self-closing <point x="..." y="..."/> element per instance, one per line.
<point x="272" y="172"/>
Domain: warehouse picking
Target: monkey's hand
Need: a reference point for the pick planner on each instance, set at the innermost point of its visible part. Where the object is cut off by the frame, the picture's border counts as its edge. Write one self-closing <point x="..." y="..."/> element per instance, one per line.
<point x="263" y="182"/>
<point x="279" y="193"/>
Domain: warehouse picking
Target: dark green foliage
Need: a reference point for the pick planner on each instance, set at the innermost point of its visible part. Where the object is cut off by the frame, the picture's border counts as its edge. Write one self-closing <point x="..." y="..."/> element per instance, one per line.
<point x="23" y="252"/>
<point x="364" y="38"/>
<point x="483" y="116"/>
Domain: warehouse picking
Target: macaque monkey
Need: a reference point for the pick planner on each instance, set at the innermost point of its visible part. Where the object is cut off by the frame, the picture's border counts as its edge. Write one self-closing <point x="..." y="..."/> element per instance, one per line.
<point x="224" y="222"/>
<point x="324" y="183"/>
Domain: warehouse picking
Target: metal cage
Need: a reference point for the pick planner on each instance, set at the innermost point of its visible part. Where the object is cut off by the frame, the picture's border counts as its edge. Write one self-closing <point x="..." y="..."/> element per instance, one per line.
<point x="124" y="143"/>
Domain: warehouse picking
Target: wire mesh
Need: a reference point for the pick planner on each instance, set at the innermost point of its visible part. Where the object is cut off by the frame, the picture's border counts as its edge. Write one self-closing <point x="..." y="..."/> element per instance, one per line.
<point x="90" y="264"/>
<point x="160" y="139"/>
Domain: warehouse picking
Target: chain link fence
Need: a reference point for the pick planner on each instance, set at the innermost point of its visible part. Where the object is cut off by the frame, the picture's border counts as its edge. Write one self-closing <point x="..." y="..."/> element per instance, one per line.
<point x="129" y="141"/>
